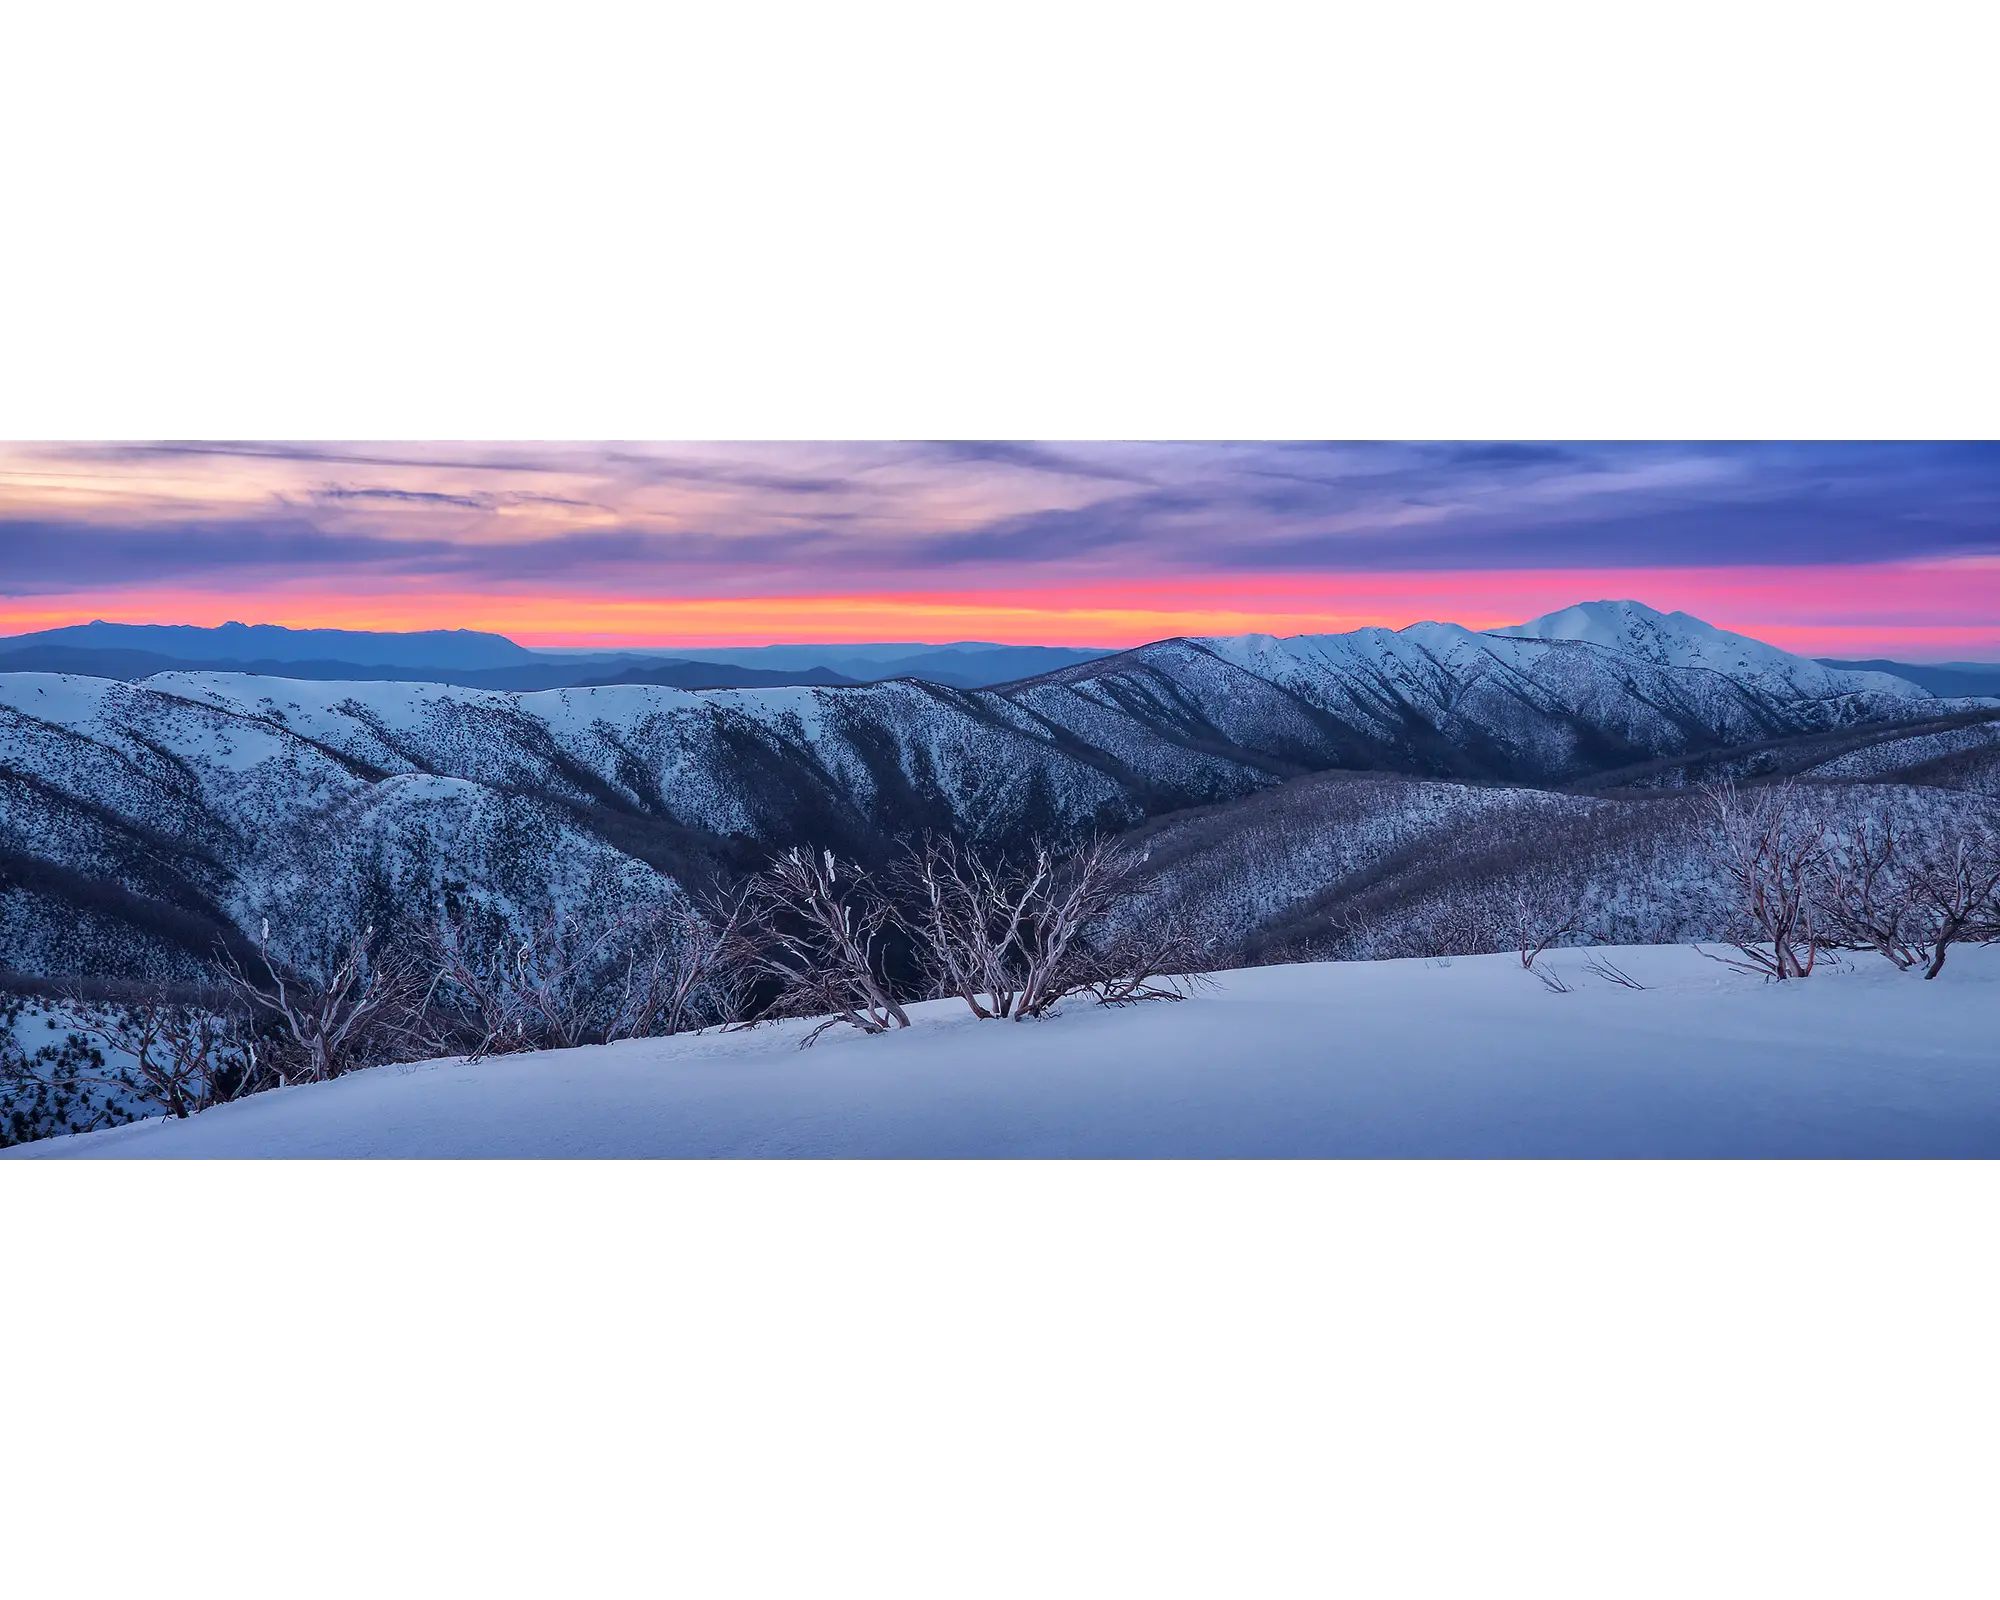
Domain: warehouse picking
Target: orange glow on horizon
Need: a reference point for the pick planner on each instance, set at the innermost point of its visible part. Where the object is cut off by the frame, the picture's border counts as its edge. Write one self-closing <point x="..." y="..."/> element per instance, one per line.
<point x="1935" y="609"/>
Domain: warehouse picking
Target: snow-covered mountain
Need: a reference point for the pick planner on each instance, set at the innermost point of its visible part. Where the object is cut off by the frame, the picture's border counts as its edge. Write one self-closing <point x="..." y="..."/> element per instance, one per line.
<point x="1555" y="708"/>
<point x="1675" y="639"/>
<point x="1623" y="643"/>
<point x="140" y="821"/>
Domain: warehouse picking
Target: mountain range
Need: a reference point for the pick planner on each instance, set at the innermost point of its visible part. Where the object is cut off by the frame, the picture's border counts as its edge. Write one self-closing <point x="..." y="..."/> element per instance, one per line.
<point x="141" y="822"/>
<point x="455" y="648"/>
<point x="491" y="661"/>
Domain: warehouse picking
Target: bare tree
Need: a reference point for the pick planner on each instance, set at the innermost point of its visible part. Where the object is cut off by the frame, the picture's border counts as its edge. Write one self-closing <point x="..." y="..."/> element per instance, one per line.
<point x="348" y="1005"/>
<point x="1865" y="895"/>
<point x="967" y="917"/>
<point x="1985" y="925"/>
<point x="573" y="978"/>
<point x="1770" y="851"/>
<point x="1145" y="962"/>
<point x="671" y="977"/>
<point x="181" y="1057"/>
<point x="1911" y="899"/>
<point x="814" y="926"/>
<point x="1011" y="937"/>
<point x="1455" y="923"/>
<point x="472" y="992"/>
<point x="1542" y="914"/>
<point x="1959" y="887"/>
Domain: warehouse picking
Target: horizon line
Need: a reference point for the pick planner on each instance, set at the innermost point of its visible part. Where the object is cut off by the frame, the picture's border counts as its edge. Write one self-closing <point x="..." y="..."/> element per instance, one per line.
<point x="1917" y="611"/>
<point x="609" y="643"/>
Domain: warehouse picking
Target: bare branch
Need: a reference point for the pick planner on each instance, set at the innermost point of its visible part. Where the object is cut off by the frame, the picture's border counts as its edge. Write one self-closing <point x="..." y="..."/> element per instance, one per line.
<point x="358" y="1007"/>
<point x="1602" y="966"/>
<point x="570" y="978"/>
<point x="1771" y="853"/>
<point x="813" y="927"/>
<point x="1013" y="937"/>
<point x="1542" y="915"/>
<point x="177" y="1057"/>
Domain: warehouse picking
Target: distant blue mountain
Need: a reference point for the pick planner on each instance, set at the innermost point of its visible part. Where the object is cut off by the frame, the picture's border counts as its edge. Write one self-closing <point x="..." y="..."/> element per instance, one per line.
<point x="493" y="661"/>
<point x="536" y="674"/>
<point x="1947" y="678"/>
<point x="977" y="666"/>
<point x="235" y="641"/>
<point x="970" y="665"/>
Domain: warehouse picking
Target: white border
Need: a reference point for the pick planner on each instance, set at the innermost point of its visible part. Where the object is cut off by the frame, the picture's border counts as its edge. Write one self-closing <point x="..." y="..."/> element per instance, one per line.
<point x="1051" y="221"/>
<point x="1044" y="221"/>
<point x="914" y="1379"/>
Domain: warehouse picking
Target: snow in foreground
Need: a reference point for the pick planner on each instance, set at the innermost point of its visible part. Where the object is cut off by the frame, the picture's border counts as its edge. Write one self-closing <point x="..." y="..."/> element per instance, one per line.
<point x="1392" y="1058"/>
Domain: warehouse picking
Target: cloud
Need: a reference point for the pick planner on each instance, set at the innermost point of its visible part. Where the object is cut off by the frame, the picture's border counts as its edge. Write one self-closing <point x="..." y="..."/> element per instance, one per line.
<point x="1030" y="458"/>
<point x="476" y="502"/>
<point x="420" y="455"/>
<point x="61" y="557"/>
<point x="1506" y="455"/>
<point x="337" y="493"/>
<point x="758" y="518"/>
<point x="660" y="469"/>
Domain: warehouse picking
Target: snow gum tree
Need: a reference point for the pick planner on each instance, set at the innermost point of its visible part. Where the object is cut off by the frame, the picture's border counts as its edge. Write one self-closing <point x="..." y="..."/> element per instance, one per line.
<point x="813" y="927"/>
<point x="334" y="1002"/>
<point x="1907" y="890"/>
<point x="1771" y="851"/>
<point x="1013" y="936"/>
<point x="176" y="1055"/>
<point x="566" y="978"/>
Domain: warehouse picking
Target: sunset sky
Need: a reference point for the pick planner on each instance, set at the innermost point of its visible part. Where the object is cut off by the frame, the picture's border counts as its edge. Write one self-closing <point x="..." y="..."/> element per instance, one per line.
<point x="1830" y="549"/>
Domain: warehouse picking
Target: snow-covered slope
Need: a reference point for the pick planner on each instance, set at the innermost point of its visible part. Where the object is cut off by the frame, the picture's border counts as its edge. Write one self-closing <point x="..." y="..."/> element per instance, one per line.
<point x="1966" y="757"/>
<point x="1390" y="1059"/>
<point x="213" y="793"/>
<point x="1344" y="865"/>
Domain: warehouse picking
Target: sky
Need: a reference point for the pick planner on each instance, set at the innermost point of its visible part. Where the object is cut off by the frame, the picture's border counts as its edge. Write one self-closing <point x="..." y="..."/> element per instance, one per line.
<point x="1857" y="549"/>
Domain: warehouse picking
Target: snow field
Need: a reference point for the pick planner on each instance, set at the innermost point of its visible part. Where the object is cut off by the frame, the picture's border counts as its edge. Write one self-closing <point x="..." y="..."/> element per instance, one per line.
<point x="1399" y="1059"/>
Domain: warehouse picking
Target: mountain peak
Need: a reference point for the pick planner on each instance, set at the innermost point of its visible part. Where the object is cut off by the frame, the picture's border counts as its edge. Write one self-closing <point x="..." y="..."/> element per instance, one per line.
<point x="1614" y="623"/>
<point x="1676" y="639"/>
<point x="1634" y="628"/>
